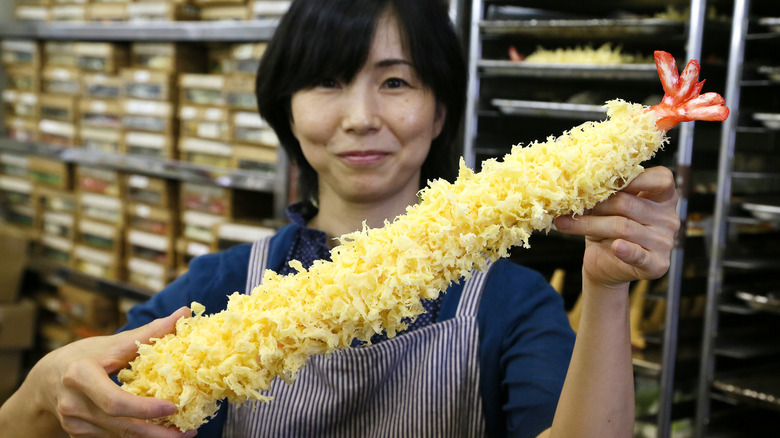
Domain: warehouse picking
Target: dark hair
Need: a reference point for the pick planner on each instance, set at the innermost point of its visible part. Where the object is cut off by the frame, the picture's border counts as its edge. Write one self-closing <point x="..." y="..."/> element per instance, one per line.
<point x="332" y="39"/>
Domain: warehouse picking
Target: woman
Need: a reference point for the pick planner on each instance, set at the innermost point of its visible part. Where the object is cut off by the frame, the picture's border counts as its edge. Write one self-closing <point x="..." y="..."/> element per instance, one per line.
<point x="366" y="97"/>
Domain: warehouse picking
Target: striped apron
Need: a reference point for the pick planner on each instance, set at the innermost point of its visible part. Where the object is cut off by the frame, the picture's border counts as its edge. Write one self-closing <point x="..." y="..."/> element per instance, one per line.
<point x="424" y="383"/>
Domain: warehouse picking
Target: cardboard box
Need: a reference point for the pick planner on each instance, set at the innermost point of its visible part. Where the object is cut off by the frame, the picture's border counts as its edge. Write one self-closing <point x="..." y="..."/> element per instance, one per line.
<point x="108" y="209"/>
<point x="149" y="275"/>
<point x="255" y="157"/>
<point x="101" y="113"/>
<point x="57" y="133"/>
<point x="106" y="140"/>
<point x="200" y="89"/>
<point x="107" y="12"/>
<point x="101" y="57"/>
<point x="57" y="249"/>
<point x="61" y="80"/>
<point x="162" y="11"/>
<point x="240" y="92"/>
<point x="21" y="129"/>
<point x="168" y="57"/>
<point x="234" y="233"/>
<point x="15" y="191"/>
<point x="152" y="247"/>
<point x="205" y="152"/>
<point x="21" y="52"/>
<point x="59" y="107"/>
<point x="32" y="13"/>
<point x="151" y="219"/>
<point x="149" y="84"/>
<point x="149" y="116"/>
<point x="97" y="263"/>
<point x="268" y="9"/>
<point x="98" y="180"/>
<point x="249" y="127"/>
<point x="69" y="13"/>
<point x="20" y="104"/>
<point x="17" y="325"/>
<point x="87" y="306"/>
<point x="47" y="172"/>
<point x="59" y="54"/>
<point x="208" y="122"/>
<point x="186" y="250"/>
<point x="224" y="12"/>
<point x="24" y="79"/>
<point x="101" y="86"/>
<point x="149" y="144"/>
<point x="12" y="164"/>
<point x="13" y="253"/>
<point x="155" y="192"/>
<point x="99" y="235"/>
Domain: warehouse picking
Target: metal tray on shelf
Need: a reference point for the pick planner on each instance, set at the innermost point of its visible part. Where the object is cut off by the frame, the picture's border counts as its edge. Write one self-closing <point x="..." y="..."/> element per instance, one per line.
<point x="761" y="297"/>
<point x="769" y="120"/>
<point x="596" y="27"/>
<point x="764" y="208"/>
<point x="773" y="23"/>
<point x="550" y="109"/>
<point x="760" y="386"/>
<point x="770" y="71"/>
<point x="752" y="262"/>
<point x="570" y="71"/>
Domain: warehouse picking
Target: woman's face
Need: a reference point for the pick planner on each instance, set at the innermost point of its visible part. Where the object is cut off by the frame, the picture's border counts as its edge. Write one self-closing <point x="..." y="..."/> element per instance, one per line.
<point x="368" y="138"/>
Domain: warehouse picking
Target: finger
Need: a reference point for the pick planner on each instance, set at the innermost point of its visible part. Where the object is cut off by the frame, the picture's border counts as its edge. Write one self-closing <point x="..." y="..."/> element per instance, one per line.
<point x="111" y="399"/>
<point x="646" y="264"/>
<point x="646" y="212"/>
<point x="126" y="345"/>
<point x="599" y="228"/>
<point x="656" y="183"/>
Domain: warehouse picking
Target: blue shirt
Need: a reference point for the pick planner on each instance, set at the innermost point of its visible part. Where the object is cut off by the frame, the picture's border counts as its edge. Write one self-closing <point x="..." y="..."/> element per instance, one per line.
<point x="525" y="340"/>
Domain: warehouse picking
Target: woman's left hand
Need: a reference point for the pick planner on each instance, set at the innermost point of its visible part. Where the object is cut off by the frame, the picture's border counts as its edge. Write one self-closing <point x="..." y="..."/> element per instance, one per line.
<point x="629" y="236"/>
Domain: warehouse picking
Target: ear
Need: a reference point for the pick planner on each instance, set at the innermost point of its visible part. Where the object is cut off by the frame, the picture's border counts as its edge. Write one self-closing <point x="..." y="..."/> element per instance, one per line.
<point x="438" y="119"/>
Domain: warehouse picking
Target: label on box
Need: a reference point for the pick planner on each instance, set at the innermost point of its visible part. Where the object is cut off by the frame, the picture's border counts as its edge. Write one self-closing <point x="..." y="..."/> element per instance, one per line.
<point x="138" y="181"/>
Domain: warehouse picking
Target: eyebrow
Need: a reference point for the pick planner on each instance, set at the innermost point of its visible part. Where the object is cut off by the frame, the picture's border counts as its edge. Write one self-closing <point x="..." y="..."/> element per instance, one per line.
<point x="385" y="63"/>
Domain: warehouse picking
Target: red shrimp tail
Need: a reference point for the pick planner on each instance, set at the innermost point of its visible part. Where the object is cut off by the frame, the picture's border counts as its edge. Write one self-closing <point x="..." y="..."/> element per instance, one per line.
<point x="682" y="102"/>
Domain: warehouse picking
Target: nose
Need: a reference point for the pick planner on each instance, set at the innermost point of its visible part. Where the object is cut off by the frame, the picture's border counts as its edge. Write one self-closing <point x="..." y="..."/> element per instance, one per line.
<point x="360" y="110"/>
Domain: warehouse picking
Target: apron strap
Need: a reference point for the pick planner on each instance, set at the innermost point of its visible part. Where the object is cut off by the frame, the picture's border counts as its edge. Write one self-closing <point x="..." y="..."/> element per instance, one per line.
<point x="472" y="292"/>
<point x="258" y="259"/>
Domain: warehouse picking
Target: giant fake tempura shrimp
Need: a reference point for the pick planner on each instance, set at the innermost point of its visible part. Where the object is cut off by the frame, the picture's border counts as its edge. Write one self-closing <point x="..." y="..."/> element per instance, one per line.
<point x="377" y="277"/>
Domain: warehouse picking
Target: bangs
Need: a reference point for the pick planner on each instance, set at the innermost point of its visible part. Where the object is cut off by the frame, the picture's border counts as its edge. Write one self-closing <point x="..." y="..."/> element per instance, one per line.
<point x="335" y="44"/>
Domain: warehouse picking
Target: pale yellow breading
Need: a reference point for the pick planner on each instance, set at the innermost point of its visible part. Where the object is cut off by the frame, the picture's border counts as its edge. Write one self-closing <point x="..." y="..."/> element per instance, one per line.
<point x="604" y="55"/>
<point x="377" y="277"/>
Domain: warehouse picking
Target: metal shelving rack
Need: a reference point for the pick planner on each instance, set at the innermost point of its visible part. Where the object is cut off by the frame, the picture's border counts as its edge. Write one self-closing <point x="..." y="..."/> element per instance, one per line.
<point x="739" y="389"/>
<point x="482" y="113"/>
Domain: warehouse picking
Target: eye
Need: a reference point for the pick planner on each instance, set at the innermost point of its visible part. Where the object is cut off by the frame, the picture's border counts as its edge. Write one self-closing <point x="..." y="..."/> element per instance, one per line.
<point x="395" y="83"/>
<point x="327" y="83"/>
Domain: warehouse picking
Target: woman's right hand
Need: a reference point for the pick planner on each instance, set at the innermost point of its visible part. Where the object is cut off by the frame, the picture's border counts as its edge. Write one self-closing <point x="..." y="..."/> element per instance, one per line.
<point x="70" y="389"/>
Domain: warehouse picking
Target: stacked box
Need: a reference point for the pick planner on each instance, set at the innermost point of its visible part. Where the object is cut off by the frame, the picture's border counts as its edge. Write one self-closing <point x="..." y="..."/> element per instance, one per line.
<point x="68" y="10"/>
<point x="22" y="60"/>
<point x="267" y="9"/>
<point x="162" y="10"/>
<point x="108" y="12"/>
<point x="223" y="10"/>
<point x="99" y="245"/>
<point x="152" y="226"/>
<point x="32" y="11"/>
<point x="202" y="99"/>
<point x="58" y="224"/>
<point x="55" y="207"/>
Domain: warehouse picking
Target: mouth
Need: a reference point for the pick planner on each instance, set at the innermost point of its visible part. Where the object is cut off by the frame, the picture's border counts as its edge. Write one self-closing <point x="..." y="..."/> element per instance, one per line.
<point x="363" y="157"/>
